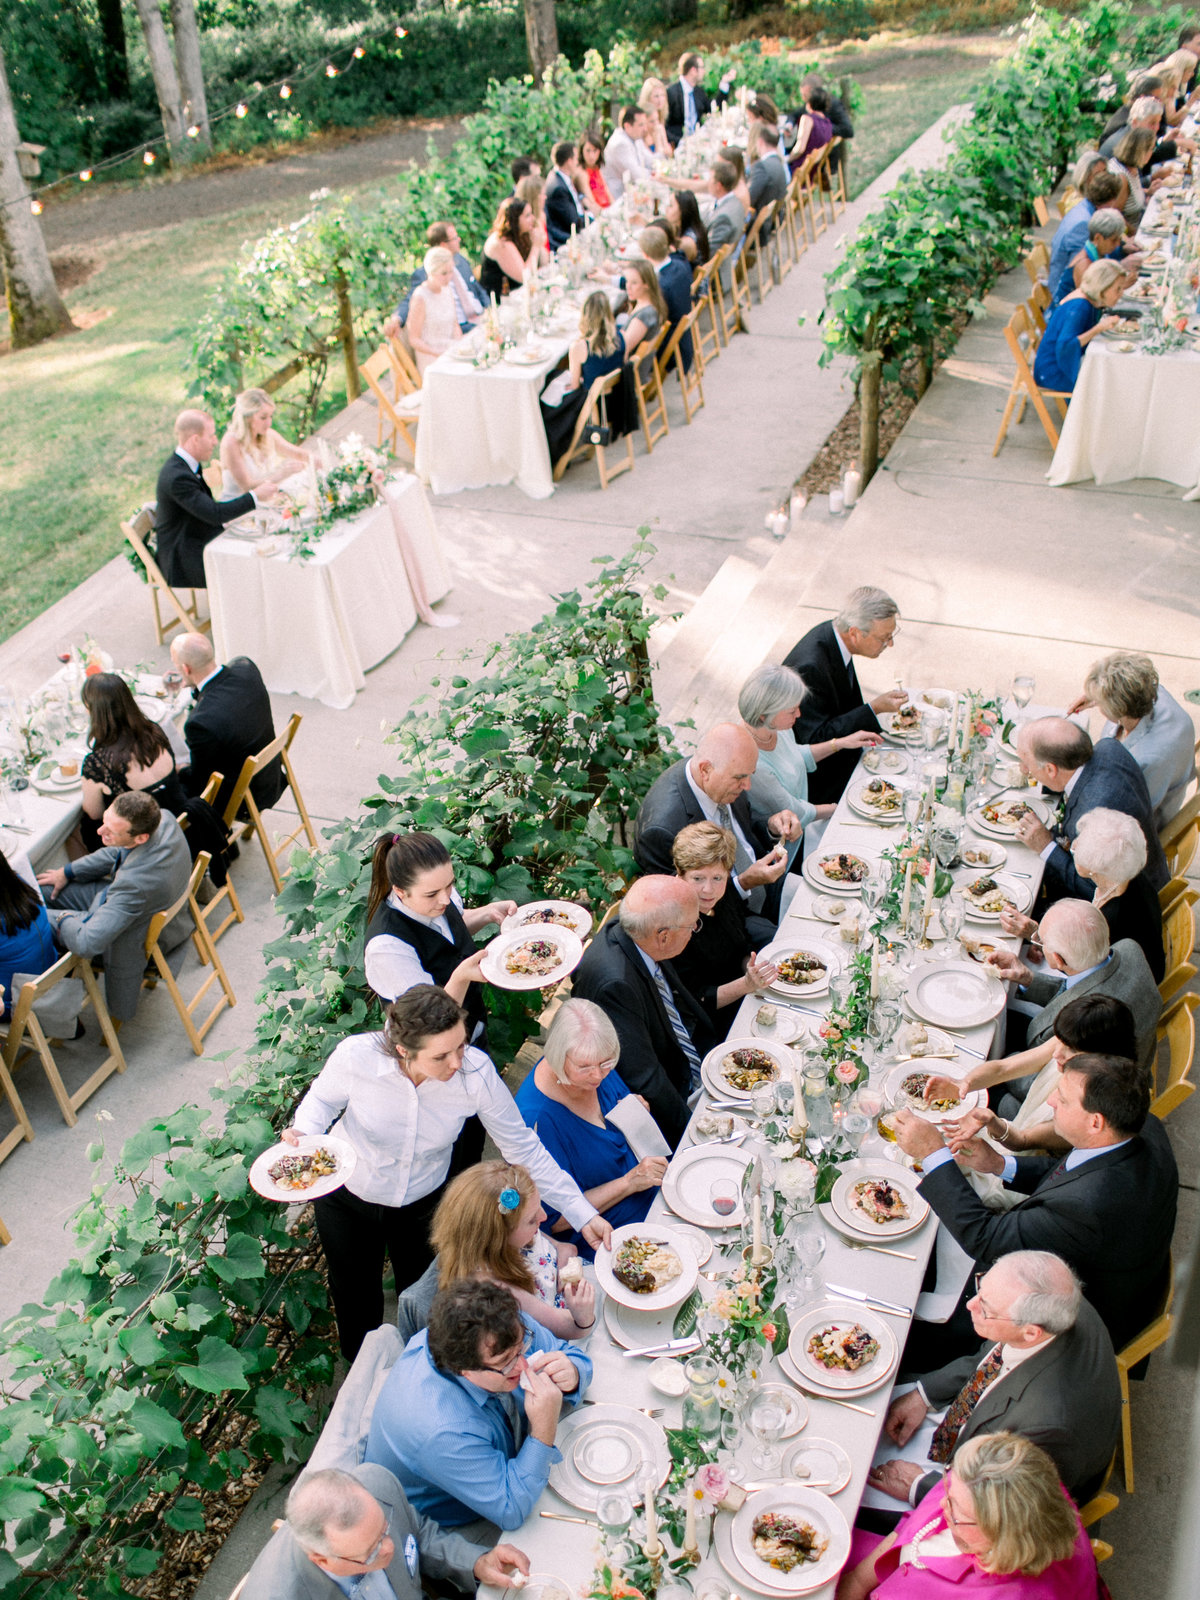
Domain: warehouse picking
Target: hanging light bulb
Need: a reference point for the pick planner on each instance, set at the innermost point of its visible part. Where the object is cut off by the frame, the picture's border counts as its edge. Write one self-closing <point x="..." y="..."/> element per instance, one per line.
<point x="359" y="52"/>
<point x="402" y="33"/>
<point x="148" y="158"/>
<point x="285" y="92"/>
<point x="194" y="131"/>
<point x="242" y="109"/>
<point x="36" y="207"/>
<point x="86" y="175"/>
<point x="331" y="71"/>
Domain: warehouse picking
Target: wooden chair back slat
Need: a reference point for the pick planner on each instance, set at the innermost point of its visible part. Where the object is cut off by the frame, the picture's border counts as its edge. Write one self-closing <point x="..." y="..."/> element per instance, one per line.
<point x="162" y="595"/>
<point x="243" y="795"/>
<point x="594" y="412"/>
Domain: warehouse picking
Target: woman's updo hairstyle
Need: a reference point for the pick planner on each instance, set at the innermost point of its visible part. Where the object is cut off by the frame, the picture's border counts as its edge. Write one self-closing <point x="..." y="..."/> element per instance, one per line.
<point x="420" y="1013"/>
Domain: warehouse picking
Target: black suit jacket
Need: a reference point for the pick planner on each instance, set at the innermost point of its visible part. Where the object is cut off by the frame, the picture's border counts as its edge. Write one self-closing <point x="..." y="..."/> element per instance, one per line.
<point x="1112" y="778"/>
<point x="231" y="720"/>
<point x="613" y="975"/>
<point x="1111" y="1219"/>
<point x="832" y="708"/>
<point x="186" y="519"/>
<point x="675" y="281"/>
<point x="1065" y="1397"/>
<point x="676" y="123"/>
<point x="670" y="806"/>
<point x="563" y="212"/>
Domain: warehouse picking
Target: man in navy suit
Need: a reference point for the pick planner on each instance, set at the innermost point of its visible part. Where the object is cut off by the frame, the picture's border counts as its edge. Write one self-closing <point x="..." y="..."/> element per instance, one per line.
<point x="561" y="199"/>
<point x="186" y="516"/>
<point x="674" y="279"/>
<point x="468" y="296"/>
<point x="1062" y="757"/>
<point x="688" y="102"/>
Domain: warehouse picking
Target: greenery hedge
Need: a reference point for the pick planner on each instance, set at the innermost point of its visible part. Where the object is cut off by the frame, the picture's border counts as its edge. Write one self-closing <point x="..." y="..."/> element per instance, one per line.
<point x="183" y="1342"/>
<point x="927" y="257"/>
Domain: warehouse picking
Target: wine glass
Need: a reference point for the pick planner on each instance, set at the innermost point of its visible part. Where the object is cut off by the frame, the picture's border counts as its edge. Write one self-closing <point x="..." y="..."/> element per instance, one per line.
<point x="614" y="1513"/>
<point x="911" y="804"/>
<point x="733" y="1440"/>
<point x="766" y="1419"/>
<point x="875" y="886"/>
<point x="1022" y="692"/>
<point x="946" y="842"/>
<point x="951" y="917"/>
<point x="855" y="1127"/>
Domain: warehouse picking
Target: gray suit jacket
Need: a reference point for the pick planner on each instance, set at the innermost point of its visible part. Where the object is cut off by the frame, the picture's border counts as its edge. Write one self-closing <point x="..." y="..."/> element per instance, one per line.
<point x="725" y="226"/>
<point x="1126" y="977"/>
<point x="143" y="881"/>
<point x="1066" y="1397"/>
<point x="284" y="1572"/>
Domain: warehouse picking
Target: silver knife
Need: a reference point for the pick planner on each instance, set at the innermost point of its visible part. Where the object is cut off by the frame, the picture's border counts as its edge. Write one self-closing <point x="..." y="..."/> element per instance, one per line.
<point x="869" y="1299"/>
<point x="671" y="1347"/>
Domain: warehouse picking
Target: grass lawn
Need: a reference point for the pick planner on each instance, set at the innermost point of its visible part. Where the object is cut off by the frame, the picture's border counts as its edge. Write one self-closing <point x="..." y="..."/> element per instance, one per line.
<point x="86" y="419"/>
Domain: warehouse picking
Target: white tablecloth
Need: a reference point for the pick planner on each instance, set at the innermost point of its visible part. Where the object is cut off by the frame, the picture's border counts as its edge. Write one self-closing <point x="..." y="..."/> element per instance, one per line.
<point x="483" y="427"/>
<point x="1132" y="416"/>
<point x="567" y="1550"/>
<point x="315" y="627"/>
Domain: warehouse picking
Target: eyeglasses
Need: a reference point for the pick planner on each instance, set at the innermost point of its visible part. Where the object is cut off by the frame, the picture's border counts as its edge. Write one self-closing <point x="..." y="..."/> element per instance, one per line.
<point x="510" y="1367"/>
<point x="372" y="1555"/>
<point x="948" y="1511"/>
<point x="602" y="1067"/>
<point x="994" y="1316"/>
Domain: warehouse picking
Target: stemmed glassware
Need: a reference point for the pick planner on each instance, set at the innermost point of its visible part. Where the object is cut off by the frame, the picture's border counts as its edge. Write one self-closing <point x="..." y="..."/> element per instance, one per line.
<point x="766" y="1419"/>
<point x="911" y="804"/>
<point x="614" y="1513"/>
<point x="1022" y="692"/>
<point x="951" y="916"/>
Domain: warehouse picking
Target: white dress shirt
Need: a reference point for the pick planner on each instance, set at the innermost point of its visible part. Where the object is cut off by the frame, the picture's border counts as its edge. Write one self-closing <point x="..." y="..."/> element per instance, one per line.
<point x="690" y="120"/>
<point x="709" y="808"/>
<point x="194" y="465"/>
<point x="404" y="1133"/>
<point x="939" y="1158"/>
<point x="393" y="967"/>
<point x="625" y="161"/>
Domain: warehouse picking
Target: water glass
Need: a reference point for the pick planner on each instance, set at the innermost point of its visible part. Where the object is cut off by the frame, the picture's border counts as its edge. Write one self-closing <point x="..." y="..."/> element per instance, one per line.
<point x="1023" y="687"/>
<point x="931" y="728"/>
<point x="766" y="1418"/>
<point x="911" y="804"/>
<point x="841" y="989"/>
<point x="946" y="843"/>
<point x="855" y="1127"/>
<point x="762" y="1100"/>
<point x="951" y="917"/>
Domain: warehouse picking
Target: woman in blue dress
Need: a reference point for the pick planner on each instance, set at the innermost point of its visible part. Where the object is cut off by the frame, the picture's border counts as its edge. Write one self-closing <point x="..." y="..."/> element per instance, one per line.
<point x="26" y="938"/>
<point x="566" y="1099"/>
<point x="1074" y="324"/>
<point x="598" y="350"/>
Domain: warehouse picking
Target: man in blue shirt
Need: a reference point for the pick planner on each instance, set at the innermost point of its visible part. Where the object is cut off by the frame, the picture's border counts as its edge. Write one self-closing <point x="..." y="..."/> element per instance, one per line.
<point x="1100" y="188"/>
<point x="469" y="298"/>
<point x="467" y="1417"/>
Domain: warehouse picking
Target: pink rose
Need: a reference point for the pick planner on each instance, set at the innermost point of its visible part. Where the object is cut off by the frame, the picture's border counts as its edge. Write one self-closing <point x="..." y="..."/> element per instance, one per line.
<point x="846" y="1071"/>
<point x="769" y="1331"/>
<point x="712" y="1482"/>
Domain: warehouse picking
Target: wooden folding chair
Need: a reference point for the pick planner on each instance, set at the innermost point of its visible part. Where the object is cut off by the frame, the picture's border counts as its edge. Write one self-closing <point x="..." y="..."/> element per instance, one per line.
<point x="400" y="416"/>
<point x="226" y="894"/>
<point x="691" y="383"/>
<point x="823" y="183"/>
<point x="22" y="1130"/>
<point x="1039" y="305"/>
<point x="1179" y="940"/>
<point x="25" y="1024"/>
<point x="1177" y="1029"/>
<point x="756" y="244"/>
<point x="161" y="593"/>
<point x="651" y="403"/>
<point x="593" y="412"/>
<point x="1037" y="262"/>
<point x="717" y="291"/>
<point x="816" y="220"/>
<point x="1070" y="197"/>
<point x="837" y="173"/>
<point x="791" y="247"/>
<point x="243" y="796"/>
<point x="707" y="342"/>
<point x="403" y="361"/>
<point x="154" y="952"/>
<point x="1170" y="892"/>
<point x="1180" y="836"/>
<point x="1103" y="1501"/>
<point x="1041" y="210"/>
<point x="1021" y="334"/>
<point x="1152" y="1337"/>
<point x="739" y="281"/>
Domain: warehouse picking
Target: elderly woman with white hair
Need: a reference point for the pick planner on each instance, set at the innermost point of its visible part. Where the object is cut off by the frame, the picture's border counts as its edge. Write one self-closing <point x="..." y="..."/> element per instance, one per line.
<point x="1152" y="725"/>
<point x="1078" y="318"/>
<point x="769" y="704"/>
<point x="567" y="1099"/>
<point x="1106" y="230"/>
<point x="433" y="315"/>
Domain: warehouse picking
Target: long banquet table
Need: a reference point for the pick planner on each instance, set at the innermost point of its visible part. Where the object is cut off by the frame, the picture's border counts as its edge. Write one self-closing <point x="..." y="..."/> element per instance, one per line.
<point x="567" y="1550"/>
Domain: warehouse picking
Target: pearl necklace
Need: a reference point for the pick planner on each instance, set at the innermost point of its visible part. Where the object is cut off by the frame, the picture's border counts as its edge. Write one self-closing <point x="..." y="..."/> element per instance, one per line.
<point x="923" y="1533"/>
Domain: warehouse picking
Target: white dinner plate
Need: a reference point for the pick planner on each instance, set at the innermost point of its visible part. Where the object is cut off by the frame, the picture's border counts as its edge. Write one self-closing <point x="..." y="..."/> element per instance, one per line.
<point x="788" y="1027"/>
<point x="531" y="355"/>
<point x="936" y="1042"/>
<point x="780" y="949"/>
<point x="1004" y="829"/>
<point x="1014" y="889"/>
<point x="893" y="1087"/>
<point x="955" y="994"/>
<point x="891" y="764"/>
<point x="529" y="916"/>
<point x="887" y="1172"/>
<point x="835" y="1380"/>
<point x="700" y="1242"/>
<point x="825" y="1460"/>
<point x="691" y="1175"/>
<point x="989" y="856"/>
<point x="55" y="783"/>
<point x="943" y="700"/>
<point x="264" y="1184"/>
<point x="600" y="1420"/>
<point x="861" y="806"/>
<point x="712" y="1071"/>
<point x="887" y="724"/>
<point x="497" y="953"/>
<point x="671" y="1293"/>
<point x="606" y="1454"/>
<point x="831" y="907"/>
<point x="809" y="1505"/>
<point x="638" y="1330"/>
<point x="812" y="870"/>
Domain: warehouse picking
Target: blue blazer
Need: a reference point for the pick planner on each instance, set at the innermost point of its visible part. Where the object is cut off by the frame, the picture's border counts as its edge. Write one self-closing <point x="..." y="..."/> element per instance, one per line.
<point x="675" y="281"/>
<point x="1112" y="778"/>
<point x="564" y="210"/>
<point x="463" y="267"/>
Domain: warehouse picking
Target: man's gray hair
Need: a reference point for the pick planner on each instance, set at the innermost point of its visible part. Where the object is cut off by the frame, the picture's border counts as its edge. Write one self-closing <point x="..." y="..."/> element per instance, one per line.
<point x="1110" y="843"/>
<point x="325" y="1502"/>
<point x="656" y="902"/>
<point x="769" y="690"/>
<point x="1145" y="109"/>
<point x="1052" y="1291"/>
<point x="1106" y="223"/>
<point x="579" y="1023"/>
<point x="866" y="606"/>
<point x="1083" y="166"/>
<point x="1076" y="932"/>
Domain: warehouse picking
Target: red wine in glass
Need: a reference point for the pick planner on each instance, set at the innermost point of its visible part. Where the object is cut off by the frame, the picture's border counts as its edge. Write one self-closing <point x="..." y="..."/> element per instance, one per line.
<point x="724" y="1204"/>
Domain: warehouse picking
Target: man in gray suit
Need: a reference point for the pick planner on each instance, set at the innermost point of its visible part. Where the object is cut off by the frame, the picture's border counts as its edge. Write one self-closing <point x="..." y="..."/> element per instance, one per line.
<point x="1046" y="1369"/>
<point x="1074" y="938"/>
<point x="102" y="905"/>
<point x="728" y="221"/>
<point x="354" y="1532"/>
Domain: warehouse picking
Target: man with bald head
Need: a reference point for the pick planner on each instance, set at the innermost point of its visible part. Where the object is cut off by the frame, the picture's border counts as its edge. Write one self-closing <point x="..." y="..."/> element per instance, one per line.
<point x="1045" y="1369"/>
<point x="628" y="971"/>
<point x="1060" y="755"/>
<point x="230" y="719"/>
<point x="187" y="517"/>
<point x="712" y="787"/>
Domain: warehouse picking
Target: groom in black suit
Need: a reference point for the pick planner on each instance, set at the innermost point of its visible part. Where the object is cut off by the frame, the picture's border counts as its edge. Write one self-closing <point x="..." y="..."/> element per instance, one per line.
<point x="560" y="198"/>
<point x="187" y="517"/>
<point x="230" y="720"/>
<point x="688" y="102"/>
<point x="834" y="706"/>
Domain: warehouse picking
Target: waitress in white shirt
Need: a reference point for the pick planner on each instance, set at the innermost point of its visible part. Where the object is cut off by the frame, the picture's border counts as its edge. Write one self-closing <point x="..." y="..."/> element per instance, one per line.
<point x="401" y="1097"/>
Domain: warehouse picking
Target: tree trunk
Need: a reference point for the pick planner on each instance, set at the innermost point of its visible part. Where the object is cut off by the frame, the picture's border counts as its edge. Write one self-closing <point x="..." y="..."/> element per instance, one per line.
<point x="191" y="73"/>
<point x="116" y="52"/>
<point x="541" y="35"/>
<point x="868" y="428"/>
<point x="166" y="79"/>
<point x="341" y="288"/>
<point x="35" y="307"/>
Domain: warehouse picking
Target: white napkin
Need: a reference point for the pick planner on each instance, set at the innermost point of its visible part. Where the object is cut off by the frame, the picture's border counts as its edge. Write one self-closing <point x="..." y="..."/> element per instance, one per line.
<point x="954" y="1267"/>
<point x="639" y="1127"/>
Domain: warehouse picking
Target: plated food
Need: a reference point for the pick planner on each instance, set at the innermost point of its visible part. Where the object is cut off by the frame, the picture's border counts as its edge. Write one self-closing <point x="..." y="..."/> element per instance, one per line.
<point x="843" y="868"/>
<point x="786" y="1541"/>
<point x="550" y="913"/>
<point x="907" y="720"/>
<point x="802" y="967"/>
<point x="880" y="795"/>
<point x="747" y="1067"/>
<point x="1006" y="813"/>
<point x="841" y="1347"/>
<point x="535" y="958"/>
<point x="646" y="1265"/>
<point x="978" y="949"/>
<point x="299" y="1172"/>
<point x="985" y="894"/>
<point x="532" y="957"/>
<point x="988" y="896"/>
<point x="976" y="853"/>
<point x="912" y="1087"/>
<point x="878" y="1200"/>
<point x="293" y="1173"/>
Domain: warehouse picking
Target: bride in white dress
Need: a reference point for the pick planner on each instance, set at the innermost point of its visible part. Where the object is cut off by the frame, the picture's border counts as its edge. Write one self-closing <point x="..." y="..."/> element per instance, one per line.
<point x="252" y="452"/>
<point x="433" y="311"/>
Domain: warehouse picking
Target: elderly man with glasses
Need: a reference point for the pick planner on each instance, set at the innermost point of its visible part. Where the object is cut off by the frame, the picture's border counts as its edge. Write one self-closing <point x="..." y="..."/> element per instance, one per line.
<point x="355" y="1533"/>
<point x="1045" y="1369"/>
<point x="467" y="1416"/>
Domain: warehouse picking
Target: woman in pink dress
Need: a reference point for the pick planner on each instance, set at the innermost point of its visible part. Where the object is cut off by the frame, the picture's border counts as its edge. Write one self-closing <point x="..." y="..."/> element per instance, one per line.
<point x="998" y="1525"/>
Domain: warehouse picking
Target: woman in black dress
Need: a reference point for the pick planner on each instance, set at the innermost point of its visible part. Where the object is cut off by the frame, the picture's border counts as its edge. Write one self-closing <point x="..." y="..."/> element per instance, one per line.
<point x="128" y="751"/>
<point x="507" y="249"/>
<point x="718" y="967"/>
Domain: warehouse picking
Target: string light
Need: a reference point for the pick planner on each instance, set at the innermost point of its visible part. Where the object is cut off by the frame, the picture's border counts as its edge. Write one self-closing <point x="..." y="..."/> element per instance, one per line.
<point x="285" y="92"/>
<point x="86" y="175"/>
<point x="359" y="52"/>
<point x="148" y="158"/>
<point x="331" y="71"/>
<point x="194" y="131"/>
<point x="36" y="207"/>
<point x="242" y="109"/>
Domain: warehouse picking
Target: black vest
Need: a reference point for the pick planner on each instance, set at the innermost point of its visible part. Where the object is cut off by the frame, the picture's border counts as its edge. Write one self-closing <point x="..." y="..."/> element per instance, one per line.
<point x="436" y="954"/>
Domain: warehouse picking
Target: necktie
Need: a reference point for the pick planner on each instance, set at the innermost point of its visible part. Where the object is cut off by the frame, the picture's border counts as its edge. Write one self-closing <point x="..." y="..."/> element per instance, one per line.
<point x="684" y="1037"/>
<point x="853" y="677"/>
<point x="514" y="1417"/>
<point x="692" y="119"/>
<point x="1055" y="1172"/>
<point x="945" y="1435"/>
<point x="742" y="858"/>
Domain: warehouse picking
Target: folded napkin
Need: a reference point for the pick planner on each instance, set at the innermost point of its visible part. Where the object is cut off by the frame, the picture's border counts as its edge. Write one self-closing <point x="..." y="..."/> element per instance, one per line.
<point x="639" y="1128"/>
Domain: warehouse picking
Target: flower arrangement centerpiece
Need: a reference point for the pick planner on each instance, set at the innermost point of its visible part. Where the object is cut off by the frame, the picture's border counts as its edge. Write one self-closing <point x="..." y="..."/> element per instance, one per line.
<point x="349" y="486"/>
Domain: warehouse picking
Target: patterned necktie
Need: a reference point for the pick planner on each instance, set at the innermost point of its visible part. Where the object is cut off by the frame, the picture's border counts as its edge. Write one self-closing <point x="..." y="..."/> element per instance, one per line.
<point x="1055" y="1172"/>
<point x="945" y="1435"/>
<point x="742" y="857"/>
<point x="677" y="1027"/>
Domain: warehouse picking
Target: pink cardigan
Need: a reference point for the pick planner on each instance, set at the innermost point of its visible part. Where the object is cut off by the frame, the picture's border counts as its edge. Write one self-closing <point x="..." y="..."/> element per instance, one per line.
<point x="957" y="1577"/>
